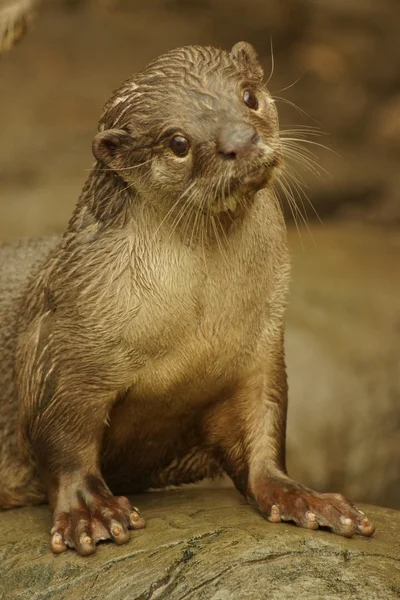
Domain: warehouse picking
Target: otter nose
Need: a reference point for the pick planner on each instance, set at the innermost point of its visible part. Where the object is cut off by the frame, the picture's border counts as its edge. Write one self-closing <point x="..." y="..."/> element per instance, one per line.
<point x="236" y="141"/>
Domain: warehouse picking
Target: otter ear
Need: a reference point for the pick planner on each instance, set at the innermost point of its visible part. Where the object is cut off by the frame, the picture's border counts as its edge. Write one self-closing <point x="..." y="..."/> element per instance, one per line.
<point x="244" y="54"/>
<point x="110" y="147"/>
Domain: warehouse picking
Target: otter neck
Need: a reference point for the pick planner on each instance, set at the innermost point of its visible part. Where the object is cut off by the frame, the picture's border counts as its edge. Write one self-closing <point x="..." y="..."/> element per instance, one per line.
<point x="109" y="201"/>
<point x="106" y="199"/>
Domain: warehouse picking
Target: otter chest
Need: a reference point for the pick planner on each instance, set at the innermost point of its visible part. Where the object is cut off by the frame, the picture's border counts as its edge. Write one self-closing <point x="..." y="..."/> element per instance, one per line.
<point x="199" y="323"/>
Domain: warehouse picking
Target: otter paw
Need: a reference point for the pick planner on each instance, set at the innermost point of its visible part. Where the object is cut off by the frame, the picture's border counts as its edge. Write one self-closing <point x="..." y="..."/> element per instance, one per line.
<point x="87" y="522"/>
<point x="286" y="500"/>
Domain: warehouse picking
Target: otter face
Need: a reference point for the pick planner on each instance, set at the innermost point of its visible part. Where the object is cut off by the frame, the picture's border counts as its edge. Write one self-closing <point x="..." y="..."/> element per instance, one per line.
<point x="196" y="126"/>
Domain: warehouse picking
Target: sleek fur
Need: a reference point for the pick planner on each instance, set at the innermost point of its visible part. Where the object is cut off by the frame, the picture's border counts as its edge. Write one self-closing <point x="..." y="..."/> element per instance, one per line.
<point x="150" y="346"/>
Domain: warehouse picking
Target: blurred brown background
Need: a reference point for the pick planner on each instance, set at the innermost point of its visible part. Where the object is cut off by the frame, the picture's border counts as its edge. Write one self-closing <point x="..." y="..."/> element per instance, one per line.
<point x="340" y="63"/>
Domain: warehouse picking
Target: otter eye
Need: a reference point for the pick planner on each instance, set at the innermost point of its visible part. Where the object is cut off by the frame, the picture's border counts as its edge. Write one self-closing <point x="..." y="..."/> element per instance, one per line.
<point x="179" y="145"/>
<point x="250" y="99"/>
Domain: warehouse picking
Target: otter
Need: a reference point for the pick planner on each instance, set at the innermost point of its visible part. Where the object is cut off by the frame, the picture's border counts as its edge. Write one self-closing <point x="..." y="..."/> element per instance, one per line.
<point x="145" y="348"/>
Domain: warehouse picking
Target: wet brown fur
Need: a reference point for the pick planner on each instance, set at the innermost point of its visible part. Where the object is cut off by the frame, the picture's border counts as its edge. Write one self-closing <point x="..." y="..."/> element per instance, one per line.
<point x="150" y="345"/>
<point x="125" y="318"/>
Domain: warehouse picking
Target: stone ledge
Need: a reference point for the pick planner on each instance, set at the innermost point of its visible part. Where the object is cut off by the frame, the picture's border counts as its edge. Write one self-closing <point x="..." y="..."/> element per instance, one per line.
<point x="202" y="544"/>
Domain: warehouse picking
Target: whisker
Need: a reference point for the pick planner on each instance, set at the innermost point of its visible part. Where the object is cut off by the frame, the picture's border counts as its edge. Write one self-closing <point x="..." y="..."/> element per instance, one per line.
<point x="225" y="182"/>
<point x="272" y="64"/>
<point x="184" y="210"/>
<point x="292" y="84"/>
<point x="186" y="191"/>
<point x="305" y="160"/>
<point x="293" y="212"/>
<point x="312" y="143"/>
<point x="304" y="130"/>
<point x="297" y="108"/>
<point x="189" y="220"/>
<point x="217" y="238"/>
<point x="194" y="209"/>
<point x="206" y="228"/>
<point x="297" y="188"/>
<point x="300" y="189"/>
<point x="292" y="197"/>
<point x="202" y="223"/>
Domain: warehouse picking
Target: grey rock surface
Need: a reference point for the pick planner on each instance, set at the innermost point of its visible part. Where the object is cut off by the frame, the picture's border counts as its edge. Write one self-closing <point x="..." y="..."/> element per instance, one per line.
<point x="202" y="544"/>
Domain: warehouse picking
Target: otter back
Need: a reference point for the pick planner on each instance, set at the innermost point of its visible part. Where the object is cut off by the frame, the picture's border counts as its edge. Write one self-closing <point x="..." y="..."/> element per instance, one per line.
<point x="18" y="262"/>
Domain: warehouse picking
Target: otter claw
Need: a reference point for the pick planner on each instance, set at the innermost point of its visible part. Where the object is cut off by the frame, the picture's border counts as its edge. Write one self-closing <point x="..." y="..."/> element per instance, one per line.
<point x="57" y="543"/>
<point x="366" y="527"/>
<point x="274" y="516"/>
<point x="137" y="521"/>
<point x="116" y="530"/>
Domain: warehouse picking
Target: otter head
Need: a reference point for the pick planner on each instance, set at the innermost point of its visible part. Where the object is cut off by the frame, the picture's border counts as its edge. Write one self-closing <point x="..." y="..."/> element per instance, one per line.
<point x="196" y="126"/>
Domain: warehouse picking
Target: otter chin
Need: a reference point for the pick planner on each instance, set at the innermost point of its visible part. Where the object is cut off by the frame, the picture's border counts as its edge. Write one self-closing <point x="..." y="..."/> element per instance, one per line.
<point x="241" y="191"/>
<point x="141" y="355"/>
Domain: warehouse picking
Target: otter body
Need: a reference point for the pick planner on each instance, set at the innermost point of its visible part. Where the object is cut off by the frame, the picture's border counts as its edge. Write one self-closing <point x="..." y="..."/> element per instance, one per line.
<point x="171" y="353"/>
<point x="150" y="339"/>
<point x="191" y="359"/>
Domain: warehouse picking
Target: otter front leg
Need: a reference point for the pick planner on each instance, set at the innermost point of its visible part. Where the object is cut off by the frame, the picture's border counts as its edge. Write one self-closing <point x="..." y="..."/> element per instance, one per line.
<point x="249" y="430"/>
<point x="66" y="436"/>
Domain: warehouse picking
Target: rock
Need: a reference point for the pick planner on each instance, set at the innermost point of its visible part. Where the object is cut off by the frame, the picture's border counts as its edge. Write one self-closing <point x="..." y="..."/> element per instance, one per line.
<point x="202" y="544"/>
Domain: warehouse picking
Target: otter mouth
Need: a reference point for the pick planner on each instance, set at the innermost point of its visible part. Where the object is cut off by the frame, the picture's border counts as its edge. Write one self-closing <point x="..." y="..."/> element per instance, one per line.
<point x="243" y="186"/>
<point x="256" y="179"/>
